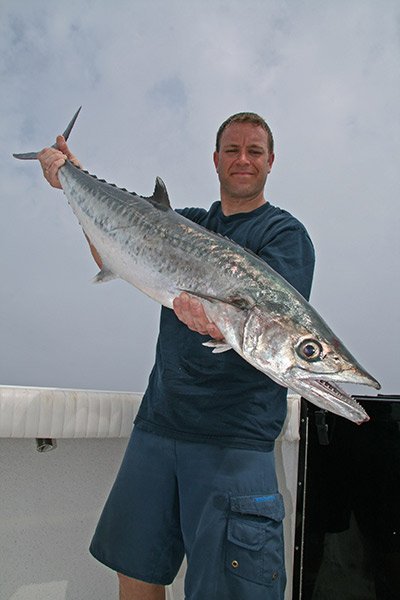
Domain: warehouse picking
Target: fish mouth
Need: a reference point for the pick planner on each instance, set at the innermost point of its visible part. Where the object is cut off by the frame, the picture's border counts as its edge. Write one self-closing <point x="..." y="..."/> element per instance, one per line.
<point x="330" y="396"/>
<point x="334" y="393"/>
<point x="322" y="389"/>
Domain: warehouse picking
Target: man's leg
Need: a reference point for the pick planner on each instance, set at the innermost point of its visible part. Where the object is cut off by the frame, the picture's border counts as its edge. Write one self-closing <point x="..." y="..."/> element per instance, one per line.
<point x="133" y="589"/>
<point x="139" y="533"/>
<point x="231" y="518"/>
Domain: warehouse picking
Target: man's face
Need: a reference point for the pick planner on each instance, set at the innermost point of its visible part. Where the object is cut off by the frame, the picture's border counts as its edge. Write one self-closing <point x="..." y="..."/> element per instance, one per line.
<point x="243" y="161"/>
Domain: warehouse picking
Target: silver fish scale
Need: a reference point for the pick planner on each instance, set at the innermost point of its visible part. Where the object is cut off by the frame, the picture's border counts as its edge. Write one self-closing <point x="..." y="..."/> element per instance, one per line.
<point x="115" y="220"/>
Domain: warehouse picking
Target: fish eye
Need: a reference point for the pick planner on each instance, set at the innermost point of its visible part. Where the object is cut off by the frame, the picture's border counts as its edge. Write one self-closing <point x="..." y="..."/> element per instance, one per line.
<point x="309" y="349"/>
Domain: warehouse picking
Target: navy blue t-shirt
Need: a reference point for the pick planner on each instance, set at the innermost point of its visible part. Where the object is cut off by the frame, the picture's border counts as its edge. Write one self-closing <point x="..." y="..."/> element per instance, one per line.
<point x="195" y="395"/>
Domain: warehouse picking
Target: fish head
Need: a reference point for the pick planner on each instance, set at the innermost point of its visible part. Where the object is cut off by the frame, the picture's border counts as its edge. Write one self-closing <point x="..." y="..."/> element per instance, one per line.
<point x="306" y="356"/>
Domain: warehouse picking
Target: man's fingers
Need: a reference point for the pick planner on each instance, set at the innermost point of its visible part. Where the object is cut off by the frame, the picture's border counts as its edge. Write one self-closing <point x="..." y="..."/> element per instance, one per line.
<point x="187" y="314"/>
<point x="63" y="147"/>
<point x="52" y="171"/>
<point x="191" y="312"/>
<point x="51" y="160"/>
<point x="214" y="332"/>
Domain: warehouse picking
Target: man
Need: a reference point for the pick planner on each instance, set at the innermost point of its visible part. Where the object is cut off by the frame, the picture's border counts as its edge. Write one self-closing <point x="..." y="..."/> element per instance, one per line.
<point x="198" y="477"/>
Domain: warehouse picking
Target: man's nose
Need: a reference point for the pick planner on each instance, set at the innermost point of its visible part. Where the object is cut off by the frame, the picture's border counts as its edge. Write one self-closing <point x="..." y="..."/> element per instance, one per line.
<point x="243" y="158"/>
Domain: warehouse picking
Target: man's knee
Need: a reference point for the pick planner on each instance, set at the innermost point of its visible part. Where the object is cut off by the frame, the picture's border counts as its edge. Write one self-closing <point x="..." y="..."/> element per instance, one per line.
<point x="134" y="589"/>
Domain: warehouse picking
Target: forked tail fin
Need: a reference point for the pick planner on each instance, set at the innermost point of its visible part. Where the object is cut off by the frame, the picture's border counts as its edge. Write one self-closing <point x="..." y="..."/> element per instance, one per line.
<point x="34" y="155"/>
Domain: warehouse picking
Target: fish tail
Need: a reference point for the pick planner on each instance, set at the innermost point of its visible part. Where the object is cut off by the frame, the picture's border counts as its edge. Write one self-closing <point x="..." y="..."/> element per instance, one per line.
<point x="34" y="155"/>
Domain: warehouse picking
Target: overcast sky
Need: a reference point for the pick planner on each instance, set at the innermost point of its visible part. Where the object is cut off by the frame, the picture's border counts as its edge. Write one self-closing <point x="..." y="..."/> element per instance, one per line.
<point x="156" y="78"/>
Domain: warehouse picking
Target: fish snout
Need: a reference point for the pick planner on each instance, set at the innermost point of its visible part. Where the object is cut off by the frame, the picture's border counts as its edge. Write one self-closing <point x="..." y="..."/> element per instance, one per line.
<point x="361" y="377"/>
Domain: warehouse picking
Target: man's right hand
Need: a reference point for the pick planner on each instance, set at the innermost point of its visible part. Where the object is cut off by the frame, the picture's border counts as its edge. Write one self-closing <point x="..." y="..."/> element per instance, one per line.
<point x="52" y="159"/>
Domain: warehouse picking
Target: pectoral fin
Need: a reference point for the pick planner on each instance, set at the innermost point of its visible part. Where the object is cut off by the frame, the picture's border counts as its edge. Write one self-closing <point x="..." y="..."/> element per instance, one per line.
<point x="218" y="346"/>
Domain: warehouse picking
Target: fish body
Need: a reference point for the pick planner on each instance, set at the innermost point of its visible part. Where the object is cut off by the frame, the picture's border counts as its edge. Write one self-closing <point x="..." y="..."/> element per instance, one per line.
<point x="262" y="317"/>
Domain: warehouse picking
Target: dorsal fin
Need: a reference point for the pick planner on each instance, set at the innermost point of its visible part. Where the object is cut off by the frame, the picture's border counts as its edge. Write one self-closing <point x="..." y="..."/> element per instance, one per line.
<point x="160" y="194"/>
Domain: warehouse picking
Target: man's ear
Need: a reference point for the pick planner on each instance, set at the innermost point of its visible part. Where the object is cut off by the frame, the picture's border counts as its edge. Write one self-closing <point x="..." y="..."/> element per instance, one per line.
<point x="271" y="159"/>
<point x="216" y="159"/>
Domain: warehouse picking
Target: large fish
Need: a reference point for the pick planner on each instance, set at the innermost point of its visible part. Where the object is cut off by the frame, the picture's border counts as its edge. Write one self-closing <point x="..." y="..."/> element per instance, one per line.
<point x="262" y="317"/>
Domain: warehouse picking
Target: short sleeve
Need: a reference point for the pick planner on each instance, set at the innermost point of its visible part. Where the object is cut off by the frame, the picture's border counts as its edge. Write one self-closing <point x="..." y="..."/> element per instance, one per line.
<point x="290" y="252"/>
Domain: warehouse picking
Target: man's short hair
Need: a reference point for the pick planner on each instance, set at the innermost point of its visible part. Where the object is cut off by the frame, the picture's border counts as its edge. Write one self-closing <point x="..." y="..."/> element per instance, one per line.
<point x="246" y="117"/>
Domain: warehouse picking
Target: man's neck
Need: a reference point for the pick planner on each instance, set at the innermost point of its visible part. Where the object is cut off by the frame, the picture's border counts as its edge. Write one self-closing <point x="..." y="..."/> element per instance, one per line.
<point x="232" y="206"/>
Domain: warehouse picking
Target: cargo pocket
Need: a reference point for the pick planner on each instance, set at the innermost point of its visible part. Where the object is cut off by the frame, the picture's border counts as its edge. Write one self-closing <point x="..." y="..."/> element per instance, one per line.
<point x="255" y="538"/>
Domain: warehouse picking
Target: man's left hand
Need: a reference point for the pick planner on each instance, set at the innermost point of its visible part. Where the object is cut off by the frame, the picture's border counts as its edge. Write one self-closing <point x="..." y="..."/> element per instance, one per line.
<point x="190" y="311"/>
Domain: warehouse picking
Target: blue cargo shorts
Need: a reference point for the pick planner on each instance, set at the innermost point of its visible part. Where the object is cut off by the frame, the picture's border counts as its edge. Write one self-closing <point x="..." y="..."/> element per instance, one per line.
<point x="220" y="506"/>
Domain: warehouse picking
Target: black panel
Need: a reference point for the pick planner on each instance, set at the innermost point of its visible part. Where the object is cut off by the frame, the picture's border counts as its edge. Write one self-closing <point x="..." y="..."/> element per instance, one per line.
<point x="348" y="529"/>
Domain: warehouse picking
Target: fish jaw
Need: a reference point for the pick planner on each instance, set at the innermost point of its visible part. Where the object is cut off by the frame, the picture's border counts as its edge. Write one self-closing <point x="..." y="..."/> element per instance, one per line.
<point x="323" y="390"/>
<point x="329" y="396"/>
